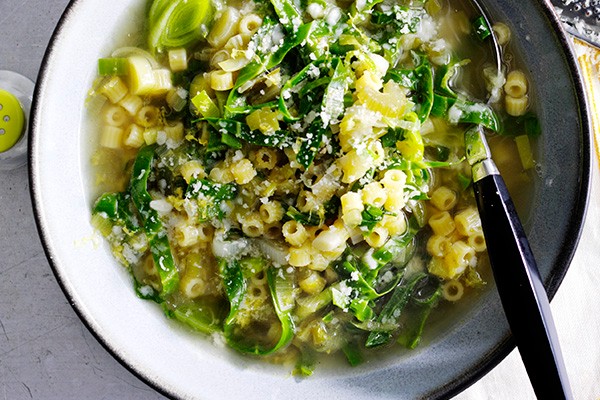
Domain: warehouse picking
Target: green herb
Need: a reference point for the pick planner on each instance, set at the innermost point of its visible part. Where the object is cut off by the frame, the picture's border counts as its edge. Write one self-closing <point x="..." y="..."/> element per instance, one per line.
<point x="210" y="197"/>
<point x="156" y="234"/>
<point x="371" y="215"/>
<point x="481" y="28"/>
<point x="305" y="218"/>
<point x="310" y="143"/>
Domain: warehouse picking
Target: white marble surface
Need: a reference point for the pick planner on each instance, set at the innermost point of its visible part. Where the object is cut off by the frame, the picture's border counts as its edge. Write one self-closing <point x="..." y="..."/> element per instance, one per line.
<point x="47" y="353"/>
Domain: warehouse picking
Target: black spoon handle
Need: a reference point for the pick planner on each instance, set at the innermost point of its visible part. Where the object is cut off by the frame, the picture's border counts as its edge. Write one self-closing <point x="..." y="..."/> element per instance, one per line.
<point x="521" y="290"/>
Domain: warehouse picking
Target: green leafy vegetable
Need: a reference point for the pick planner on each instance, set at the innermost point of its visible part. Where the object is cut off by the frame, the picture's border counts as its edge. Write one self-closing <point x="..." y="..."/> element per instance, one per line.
<point x="305" y="218"/>
<point x="371" y="215"/>
<point x="156" y="234"/>
<point x="392" y="310"/>
<point x="210" y="197"/>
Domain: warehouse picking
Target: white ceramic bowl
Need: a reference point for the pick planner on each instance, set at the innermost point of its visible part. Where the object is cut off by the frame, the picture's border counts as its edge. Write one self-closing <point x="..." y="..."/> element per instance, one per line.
<point x="179" y="363"/>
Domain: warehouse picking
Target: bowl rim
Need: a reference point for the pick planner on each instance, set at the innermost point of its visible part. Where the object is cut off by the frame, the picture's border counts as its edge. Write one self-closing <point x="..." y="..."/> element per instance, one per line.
<point x="452" y="388"/>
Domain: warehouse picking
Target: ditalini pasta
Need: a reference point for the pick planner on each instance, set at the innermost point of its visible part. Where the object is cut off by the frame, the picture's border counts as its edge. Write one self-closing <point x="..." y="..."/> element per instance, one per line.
<point x="292" y="179"/>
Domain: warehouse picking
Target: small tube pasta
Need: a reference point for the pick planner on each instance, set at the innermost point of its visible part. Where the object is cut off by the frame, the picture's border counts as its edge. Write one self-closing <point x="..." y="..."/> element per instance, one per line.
<point x="374" y="194"/>
<point x="312" y="282"/>
<point x="294" y="233"/>
<point x="221" y="175"/>
<point x="259" y="278"/>
<point x="175" y="132"/>
<point x="249" y="24"/>
<point x="442" y="223"/>
<point x="243" y="171"/>
<point x="271" y="212"/>
<point x="252" y="225"/>
<point x="224" y="27"/>
<point x="516" y="84"/>
<point x="354" y="165"/>
<point x="330" y="239"/>
<point x="300" y="256"/>
<point x="477" y="242"/>
<point x="114" y="89"/>
<point x="186" y="235"/>
<point x="460" y="256"/>
<point x="318" y="262"/>
<point x="395" y="224"/>
<point x="437" y="245"/>
<point x="468" y="222"/>
<point x="265" y="158"/>
<point x="352" y="217"/>
<point x="273" y="230"/>
<point x="393" y="179"/>
<point x="192" y="287"/>
<point x="352" y="201"/>
<point x="115" y="116"/>
<point x="377" y="237"/>
<point x="151" y="135"/>
<point x="132" y="104"/>
<point x="352" y="207"/>
<point x="502" y="33"/>
<point x="111" y="137"/>
<point x="192" y="169"/>
<point x="134" y="136"/>
<point x="201" y="82"/>
<point x="148" y="116"/>
<point x="453" y="290"/>
<point x="444" y="198"/>
<point x="395" y="200"/>
<point x="205" y="233"/>
<point x="257" y="290"/>
<point x="516" y="106"/>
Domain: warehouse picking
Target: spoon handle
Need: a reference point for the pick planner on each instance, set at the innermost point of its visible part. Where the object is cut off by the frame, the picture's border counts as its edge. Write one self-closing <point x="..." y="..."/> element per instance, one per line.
<point x="521" y="289"/>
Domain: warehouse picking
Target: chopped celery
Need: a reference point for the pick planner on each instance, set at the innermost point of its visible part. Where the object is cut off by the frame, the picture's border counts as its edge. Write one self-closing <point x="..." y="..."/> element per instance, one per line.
<point x="113" y="66"/>
<point x="145" y="80"/>
<point x="525" y="152"/>
<point x="205" y="106"/>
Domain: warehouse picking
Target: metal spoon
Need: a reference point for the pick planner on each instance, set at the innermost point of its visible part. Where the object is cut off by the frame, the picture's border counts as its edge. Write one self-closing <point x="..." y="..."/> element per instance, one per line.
<point x="519" y="284"/>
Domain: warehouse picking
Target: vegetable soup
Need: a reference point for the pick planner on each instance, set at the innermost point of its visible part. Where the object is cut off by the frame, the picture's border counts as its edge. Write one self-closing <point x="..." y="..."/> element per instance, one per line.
<point x="288" y="178"/>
